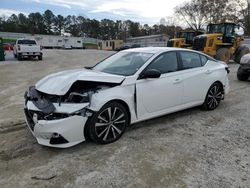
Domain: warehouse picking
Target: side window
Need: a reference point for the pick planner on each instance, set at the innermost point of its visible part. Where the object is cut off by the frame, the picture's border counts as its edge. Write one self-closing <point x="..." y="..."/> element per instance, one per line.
<point x="165" y="63"/>
<point x="203" y="60"/>
<point x="190" y="60"/>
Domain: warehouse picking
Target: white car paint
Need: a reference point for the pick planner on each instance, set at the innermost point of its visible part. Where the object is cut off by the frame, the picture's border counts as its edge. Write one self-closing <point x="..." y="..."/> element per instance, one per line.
<point x="59" y="83"/>
<point x="154" y="97"/>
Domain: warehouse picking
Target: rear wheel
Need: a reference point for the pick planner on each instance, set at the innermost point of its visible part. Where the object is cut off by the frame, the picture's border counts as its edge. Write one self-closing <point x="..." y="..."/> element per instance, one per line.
<point x="241" y="51"/>
<point x="109" y="123"/>
<point x="223" y="54"/>
<point x="213" y="97"/>
<point x="40" y="57"/>
<point x="19" y="57"/>
<point x="241" y="75"/>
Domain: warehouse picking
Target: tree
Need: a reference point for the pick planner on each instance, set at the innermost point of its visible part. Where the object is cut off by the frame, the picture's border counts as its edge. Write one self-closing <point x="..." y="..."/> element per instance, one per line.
<point x="49" y="19"/>
<point x="243" y="9"/>
<point x="198" y="13"/>
<point x="59" y="24"/>
<point x="72" y="26"/>
<point x="48" y="23"/>
<point x="23" y="23"/>
<point x="193" y="13"/>
<point x="12" y="23"/>
<point x="36" y="23"/>
<point x="134" y="29"/>
<point x="218" y="11"/>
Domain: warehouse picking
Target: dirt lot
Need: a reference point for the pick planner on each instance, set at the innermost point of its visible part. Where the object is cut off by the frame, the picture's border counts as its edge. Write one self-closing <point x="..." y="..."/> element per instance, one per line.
<point x="192" y="148"/>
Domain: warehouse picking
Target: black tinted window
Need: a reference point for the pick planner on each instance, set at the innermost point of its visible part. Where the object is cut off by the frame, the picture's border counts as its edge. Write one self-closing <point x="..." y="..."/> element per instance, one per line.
<point x="165" y="63"/>
<point x="26" y="42"/>
<point x="190" y="60"/>
<point x="203" y="60"/>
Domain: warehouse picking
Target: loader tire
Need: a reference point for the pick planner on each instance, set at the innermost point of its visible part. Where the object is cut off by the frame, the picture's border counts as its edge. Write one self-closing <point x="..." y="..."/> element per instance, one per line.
<point x="223" y="54"/>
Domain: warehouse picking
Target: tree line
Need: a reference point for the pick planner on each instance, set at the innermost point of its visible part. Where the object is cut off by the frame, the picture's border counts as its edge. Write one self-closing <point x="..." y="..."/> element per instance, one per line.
<point x="198" y="13"/>
<point x="79" y="26"/>
<point x="195" y="13"/>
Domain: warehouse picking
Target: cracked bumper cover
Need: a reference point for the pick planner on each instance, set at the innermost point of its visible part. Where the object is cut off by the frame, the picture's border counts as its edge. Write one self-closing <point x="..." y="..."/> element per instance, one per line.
<point x="61" y="133"/>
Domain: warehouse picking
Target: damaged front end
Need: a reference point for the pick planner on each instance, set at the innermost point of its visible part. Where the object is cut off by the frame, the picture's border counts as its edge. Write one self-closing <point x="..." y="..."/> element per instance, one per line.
<point x="59" y="120"/>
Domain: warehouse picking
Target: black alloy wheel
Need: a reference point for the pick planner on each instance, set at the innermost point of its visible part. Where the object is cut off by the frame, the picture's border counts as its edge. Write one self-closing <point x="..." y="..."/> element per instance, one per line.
<point x="109" y="123"/>
<point x="214" y="96"/>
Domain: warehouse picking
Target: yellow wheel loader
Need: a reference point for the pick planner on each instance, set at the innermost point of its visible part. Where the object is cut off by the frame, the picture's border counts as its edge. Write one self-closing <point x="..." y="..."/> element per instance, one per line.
<point x="184" y="39"/>
<point x="221" y="42"/>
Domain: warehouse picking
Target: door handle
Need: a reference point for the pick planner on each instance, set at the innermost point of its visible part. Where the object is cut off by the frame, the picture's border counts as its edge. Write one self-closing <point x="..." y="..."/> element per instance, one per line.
<point x="177" y="81"/>
<point x="208" y="72"/>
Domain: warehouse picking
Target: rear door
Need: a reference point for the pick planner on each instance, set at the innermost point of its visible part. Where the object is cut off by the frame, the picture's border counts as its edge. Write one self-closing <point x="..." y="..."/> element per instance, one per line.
<point x="195" y="76"/>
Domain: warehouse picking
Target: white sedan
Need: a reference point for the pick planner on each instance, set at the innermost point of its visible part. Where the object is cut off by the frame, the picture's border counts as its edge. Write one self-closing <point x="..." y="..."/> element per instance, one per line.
<point x="134" y="85"/>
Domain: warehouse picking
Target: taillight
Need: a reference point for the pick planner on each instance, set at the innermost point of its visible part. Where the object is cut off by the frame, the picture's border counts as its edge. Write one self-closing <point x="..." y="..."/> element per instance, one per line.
<point x="18" y="47"/>
<point x="227" y="69"/>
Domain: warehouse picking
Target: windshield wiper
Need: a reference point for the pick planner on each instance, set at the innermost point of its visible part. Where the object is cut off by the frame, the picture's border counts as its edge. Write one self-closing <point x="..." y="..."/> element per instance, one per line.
<point x="88" y="67"/>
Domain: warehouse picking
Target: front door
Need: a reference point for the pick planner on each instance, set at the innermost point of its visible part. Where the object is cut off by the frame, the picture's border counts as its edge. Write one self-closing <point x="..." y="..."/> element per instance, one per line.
<point x="160" y="94"/>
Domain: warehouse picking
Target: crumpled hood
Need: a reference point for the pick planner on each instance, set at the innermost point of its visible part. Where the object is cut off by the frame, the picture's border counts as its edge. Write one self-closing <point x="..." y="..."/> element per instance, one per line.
<point x="60" y="83"/>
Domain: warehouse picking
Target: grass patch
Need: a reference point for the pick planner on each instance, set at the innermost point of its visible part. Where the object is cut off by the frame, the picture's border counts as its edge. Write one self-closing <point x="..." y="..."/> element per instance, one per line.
<point x="9" y="40"/>
<point x="90" y="46"/>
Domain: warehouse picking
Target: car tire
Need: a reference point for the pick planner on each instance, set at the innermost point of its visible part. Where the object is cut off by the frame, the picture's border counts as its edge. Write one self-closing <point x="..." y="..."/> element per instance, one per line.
<point x="241" y="51"/>
<point x="241" y="75"/>
<point x="213" y="97"/>
<point x="40" y="57"/>
<point x="19" y="57"/>
<point x="109" y="123"/>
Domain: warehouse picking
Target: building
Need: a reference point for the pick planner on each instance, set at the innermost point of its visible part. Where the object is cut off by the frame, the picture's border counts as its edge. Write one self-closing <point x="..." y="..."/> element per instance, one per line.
<point x="53" y="41"/>
<point x="146" y="41"/>
<point x="110" y="44"/>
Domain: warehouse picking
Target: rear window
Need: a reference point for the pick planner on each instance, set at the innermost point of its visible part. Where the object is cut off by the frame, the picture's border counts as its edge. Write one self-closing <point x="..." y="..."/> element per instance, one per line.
<point x="26" y="42"/>
<point x="190" y="60"/>
<point x="203" y="60"/>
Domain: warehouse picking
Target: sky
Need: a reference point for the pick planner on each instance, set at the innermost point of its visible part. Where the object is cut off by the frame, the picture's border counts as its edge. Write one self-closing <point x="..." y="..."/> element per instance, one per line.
<point x="143" y="11"/>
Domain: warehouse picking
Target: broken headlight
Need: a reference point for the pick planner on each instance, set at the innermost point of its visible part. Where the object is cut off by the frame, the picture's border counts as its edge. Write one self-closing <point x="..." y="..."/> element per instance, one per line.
<point x="75" y="97"/>
<point x="83" y="112"/>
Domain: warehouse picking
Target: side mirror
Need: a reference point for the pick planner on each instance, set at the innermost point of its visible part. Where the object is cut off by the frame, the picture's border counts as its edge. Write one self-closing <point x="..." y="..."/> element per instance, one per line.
<point x="239" y="31"/>
<point x="150" y="73"/>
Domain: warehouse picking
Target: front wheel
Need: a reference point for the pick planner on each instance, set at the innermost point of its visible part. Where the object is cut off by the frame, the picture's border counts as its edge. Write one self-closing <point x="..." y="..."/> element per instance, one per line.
<point x="109" y="123"/>
<point x="213" y="97"/>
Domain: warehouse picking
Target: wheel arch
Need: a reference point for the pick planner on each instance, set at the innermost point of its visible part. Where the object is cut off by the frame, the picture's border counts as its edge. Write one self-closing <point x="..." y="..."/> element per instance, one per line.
<point x="87" y="125"/>
<point x="123" y="103"/>
<point x="219" y="82"/>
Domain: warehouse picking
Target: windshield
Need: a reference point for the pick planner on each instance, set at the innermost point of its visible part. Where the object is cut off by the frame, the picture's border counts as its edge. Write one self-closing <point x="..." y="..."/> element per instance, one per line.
<point x="186" y="35"/>
<point x="216" y="28"/>
<point x="26" y="42"/>
<point x="227" y="29"/>
<point x="123" y="63"/>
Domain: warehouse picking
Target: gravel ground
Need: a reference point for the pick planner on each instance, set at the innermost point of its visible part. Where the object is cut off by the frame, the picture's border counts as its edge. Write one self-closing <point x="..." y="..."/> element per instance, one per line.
<point x="192" y="148"/>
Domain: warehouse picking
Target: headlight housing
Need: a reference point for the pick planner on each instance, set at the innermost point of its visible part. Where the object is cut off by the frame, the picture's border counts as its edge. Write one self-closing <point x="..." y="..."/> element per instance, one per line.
<point x="75" y="97"/>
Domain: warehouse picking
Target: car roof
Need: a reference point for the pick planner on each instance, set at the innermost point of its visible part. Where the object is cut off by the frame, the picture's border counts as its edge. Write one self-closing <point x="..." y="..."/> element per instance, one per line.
<point x="156" y="50"/>
<point x="25" y="39"/>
